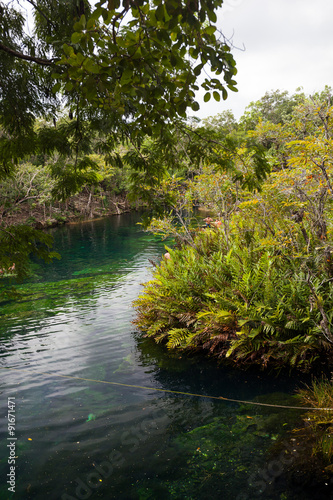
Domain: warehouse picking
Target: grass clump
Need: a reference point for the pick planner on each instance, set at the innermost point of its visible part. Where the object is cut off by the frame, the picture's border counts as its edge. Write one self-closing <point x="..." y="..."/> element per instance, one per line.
<point x="320" y="422"/>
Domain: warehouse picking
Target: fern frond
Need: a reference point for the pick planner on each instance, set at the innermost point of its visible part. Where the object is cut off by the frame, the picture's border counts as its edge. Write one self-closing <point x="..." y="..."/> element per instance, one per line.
<point x="177" y="337"/>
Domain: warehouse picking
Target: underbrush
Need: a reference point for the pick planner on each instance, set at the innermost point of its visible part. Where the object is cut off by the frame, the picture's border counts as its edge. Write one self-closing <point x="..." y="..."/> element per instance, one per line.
<point x="240" y="299"/>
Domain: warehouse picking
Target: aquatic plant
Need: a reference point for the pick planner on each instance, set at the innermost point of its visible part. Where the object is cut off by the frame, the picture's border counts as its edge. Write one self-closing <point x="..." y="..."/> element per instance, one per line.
<point x="319" y="395"/>
<point x="223" y="457"/>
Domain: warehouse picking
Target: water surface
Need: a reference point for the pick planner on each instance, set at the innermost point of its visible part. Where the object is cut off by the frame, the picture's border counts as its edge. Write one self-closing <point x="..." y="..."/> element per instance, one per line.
<point x="78" y="438"/>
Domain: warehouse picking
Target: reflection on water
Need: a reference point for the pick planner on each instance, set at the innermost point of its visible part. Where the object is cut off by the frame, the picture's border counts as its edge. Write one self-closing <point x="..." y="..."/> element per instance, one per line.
<point x="80" y="439"/>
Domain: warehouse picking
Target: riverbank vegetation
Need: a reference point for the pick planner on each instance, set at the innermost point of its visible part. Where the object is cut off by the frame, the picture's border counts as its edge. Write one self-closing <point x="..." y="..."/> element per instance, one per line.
<point x="257" y="286"/>
<point x="319" y="424"/>
<point x="30" y="196"/>
<point x="253" y="284"/>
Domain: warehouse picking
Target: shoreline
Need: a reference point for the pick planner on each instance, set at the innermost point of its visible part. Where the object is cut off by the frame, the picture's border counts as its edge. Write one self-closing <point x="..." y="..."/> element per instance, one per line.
<point x="74" y="211"/>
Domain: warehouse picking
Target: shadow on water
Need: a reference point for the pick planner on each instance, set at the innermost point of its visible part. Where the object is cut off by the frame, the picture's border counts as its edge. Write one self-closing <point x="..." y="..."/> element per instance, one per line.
<point x="78" y="438"/>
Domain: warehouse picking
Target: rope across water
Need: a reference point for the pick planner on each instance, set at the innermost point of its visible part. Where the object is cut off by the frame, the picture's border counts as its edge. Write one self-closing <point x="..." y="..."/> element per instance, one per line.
<point x="254" y="403"/>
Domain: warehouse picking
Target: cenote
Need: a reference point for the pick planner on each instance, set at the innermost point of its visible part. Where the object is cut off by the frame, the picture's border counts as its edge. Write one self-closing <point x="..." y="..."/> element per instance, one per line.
<point x="78" y="438"/>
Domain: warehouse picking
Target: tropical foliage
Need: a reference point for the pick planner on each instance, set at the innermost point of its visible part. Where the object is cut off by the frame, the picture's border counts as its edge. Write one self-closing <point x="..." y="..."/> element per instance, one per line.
<point x="124" y="68"/>
<point x="88" y="78"/>
<point x="256" y="287"/>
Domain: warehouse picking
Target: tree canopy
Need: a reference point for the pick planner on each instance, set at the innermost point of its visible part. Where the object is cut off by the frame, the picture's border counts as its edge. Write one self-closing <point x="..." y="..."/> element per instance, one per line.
<point x="88" y="76"/>
<point x="128" y="68"/>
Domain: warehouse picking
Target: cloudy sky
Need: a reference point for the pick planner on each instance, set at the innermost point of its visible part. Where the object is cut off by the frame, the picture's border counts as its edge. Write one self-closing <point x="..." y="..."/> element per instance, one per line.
<point x="288" y="44"/>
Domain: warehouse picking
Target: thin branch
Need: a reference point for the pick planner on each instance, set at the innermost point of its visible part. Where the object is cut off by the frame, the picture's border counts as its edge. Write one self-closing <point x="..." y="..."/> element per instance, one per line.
<point x="2" y="229"/>
<point x="19" y="55"/>
<point x="26" y="198"/>
<point x="212" y="141"/>
<point x="41" y="13"/>
<point x="323" y="169"/>
<point x="118" y="16"/>
<point x="325" y="281"/>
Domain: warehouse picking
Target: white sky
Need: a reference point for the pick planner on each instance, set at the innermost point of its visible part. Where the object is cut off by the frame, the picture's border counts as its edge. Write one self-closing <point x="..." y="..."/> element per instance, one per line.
<point x="288" y="44"/>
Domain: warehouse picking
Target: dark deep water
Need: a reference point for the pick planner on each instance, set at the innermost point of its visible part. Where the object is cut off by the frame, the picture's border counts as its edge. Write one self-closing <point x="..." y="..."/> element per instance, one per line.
<point x="80" y="439"/>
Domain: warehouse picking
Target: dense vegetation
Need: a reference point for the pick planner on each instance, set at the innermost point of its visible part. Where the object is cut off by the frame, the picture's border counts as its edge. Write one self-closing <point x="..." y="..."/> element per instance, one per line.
<point x="257" y="287"/>
<point x="254" y="288"/>
<point x="94" y="102"/>
<point x="87" y="78"/>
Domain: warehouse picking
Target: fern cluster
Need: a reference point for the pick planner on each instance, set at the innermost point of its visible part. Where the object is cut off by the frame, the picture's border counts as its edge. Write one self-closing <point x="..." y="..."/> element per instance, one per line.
<point x="239" y="300"/>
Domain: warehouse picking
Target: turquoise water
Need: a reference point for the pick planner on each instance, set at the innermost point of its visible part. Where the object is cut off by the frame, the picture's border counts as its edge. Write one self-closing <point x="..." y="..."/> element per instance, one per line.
<point x="80" y="439"/>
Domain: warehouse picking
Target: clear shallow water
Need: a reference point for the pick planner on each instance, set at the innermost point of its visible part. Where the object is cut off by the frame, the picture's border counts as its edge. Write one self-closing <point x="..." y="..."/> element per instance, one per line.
<point x="80" y="439"/>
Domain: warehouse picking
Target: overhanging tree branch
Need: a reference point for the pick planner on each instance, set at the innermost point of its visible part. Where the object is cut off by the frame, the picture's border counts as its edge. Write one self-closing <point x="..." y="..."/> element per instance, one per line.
<point x="19" y="55"/>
